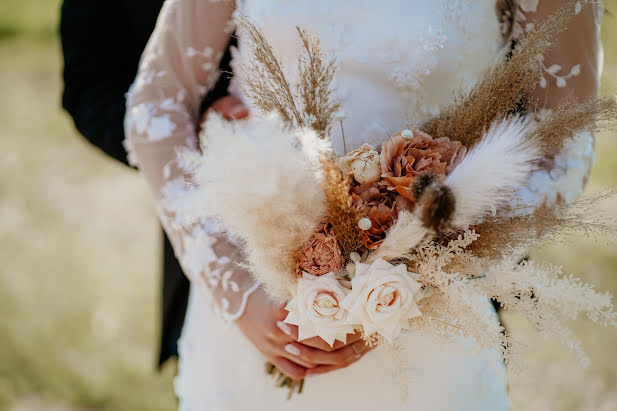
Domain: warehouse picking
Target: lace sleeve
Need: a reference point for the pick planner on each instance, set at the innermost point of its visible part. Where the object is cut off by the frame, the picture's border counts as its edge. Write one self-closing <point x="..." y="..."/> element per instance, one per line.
<point x="179" y="65"/>
<point x="571" y="70"/>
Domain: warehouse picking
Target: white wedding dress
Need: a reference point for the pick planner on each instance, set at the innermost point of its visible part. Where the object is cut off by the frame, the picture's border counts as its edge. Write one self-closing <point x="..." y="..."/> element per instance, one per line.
<point x="399" y="61"/>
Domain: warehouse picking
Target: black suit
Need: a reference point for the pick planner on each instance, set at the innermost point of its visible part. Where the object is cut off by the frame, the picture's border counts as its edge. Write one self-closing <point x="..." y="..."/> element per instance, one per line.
<point x="102" y="41"/>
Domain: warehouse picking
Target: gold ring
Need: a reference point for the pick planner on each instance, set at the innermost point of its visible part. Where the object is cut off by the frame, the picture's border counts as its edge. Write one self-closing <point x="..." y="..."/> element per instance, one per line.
<point x="355" y="350"/>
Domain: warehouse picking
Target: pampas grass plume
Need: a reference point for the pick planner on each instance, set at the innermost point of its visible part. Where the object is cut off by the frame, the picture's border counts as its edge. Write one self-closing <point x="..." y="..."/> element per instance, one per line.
<point x="257" y="180"/>
<point x="489" y="174"/>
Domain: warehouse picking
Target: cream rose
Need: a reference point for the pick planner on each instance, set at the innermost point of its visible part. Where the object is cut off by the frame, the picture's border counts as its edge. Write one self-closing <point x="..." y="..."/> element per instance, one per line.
<point x="383" y="298"/>
<point x="363" y="163"/>
<point x="317" y="310"/>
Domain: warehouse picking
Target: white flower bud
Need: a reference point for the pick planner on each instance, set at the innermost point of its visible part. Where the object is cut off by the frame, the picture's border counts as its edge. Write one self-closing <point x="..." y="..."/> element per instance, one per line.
<point x="351" y="269"/>
<point x="408" y="134"/>
<point x="365" y="224"/>
<point x="340" y="116"/>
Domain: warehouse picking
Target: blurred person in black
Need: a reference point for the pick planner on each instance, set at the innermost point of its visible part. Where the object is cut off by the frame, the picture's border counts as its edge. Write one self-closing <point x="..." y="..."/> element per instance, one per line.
<point x="102" y="42"/>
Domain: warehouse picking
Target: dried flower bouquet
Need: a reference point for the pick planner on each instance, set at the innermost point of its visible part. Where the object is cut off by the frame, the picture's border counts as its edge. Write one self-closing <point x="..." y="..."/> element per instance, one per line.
<point x="415" y="234"/>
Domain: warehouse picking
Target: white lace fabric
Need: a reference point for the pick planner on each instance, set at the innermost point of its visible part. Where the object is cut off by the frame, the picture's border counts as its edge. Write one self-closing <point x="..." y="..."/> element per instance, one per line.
<point x="571" y="71"/>
<point x="179" y="66"/>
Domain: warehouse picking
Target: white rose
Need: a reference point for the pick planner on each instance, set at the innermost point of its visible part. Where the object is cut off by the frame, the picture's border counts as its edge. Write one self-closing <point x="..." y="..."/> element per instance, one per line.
<point x="316" y="309"/>
<point x="363" y="163"/>
<point x="383" y="298"/>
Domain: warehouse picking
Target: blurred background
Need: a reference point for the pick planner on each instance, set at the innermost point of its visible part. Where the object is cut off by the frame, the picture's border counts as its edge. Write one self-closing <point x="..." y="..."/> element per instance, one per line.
<point x="79" y="255"/>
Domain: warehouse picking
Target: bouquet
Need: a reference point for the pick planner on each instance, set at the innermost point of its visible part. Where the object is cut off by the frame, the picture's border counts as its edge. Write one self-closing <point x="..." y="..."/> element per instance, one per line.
<point x="416" y="234"/>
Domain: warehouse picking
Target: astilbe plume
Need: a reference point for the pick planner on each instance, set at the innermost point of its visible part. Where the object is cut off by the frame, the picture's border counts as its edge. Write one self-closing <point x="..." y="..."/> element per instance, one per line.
<point x="456" y="308"/>
<point x="547" y="298"/>
<point x="540" y="292"/>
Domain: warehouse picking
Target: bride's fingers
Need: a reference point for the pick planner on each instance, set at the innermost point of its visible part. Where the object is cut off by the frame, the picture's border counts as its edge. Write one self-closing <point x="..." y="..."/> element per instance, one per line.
<point x="351" y="354"/>
<point x="289" y="330"/>
<point x="319" y="343"/>
<point x="343" y="356"/>
<point x="230" y="107"/>
<point x="295" y="371"/>
<point x="293" y="354"/>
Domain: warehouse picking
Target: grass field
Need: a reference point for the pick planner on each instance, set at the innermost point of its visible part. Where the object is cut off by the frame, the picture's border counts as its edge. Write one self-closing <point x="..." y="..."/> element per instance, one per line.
<point x="79" y="248"/>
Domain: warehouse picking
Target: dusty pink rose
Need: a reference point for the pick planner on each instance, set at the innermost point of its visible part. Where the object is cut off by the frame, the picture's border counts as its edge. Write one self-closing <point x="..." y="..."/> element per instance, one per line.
<point x="322" y="254"/>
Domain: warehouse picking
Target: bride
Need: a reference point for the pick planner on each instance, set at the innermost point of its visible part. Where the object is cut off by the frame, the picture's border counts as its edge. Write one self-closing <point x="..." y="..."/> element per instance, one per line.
<point x="398" y="61"/>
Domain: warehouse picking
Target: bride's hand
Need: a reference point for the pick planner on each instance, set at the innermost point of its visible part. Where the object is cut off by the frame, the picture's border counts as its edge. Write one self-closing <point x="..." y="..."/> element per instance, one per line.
<point x="262" y="323"/>
<point x="230" y="107"/>
<point x="349" y="352"/>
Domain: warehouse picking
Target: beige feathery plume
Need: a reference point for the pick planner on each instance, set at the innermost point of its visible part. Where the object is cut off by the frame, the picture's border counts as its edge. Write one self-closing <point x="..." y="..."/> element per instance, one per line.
<point x="571" y="117"/>
<point x="491" y="171"/>
<point x="559" y="220"/>
<point x="340" y="211"/>
<point x="314" y="87"/>
<point x="266" y="83"/>
<point x="402" y="238"/>
<point x="267" y="193"/>
<point x="313" y="103"/>
<point x="501" y="89"/>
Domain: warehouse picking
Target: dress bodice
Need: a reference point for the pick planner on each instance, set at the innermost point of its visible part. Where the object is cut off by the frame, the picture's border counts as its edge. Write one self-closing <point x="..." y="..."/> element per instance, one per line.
<point x="397" y="62"/>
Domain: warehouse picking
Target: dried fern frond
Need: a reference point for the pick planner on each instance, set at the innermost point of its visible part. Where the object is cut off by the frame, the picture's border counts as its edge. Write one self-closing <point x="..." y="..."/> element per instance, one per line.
<point x="501" y="89"/>
<point x="340" y="211"/>
<point x="316" y="74"/>
<point x="266" y="83"/>
<point x="571" y="117"/>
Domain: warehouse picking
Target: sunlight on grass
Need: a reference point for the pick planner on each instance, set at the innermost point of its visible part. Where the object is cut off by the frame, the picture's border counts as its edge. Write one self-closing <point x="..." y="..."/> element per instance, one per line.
<point x="80" y="253"/>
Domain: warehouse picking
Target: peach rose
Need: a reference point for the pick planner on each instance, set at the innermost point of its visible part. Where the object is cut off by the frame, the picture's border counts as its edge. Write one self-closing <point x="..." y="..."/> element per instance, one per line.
<point x="322" y="254"/>
<point x="316" y="308"/>
<point x="403" y="158"/>
<point x="383" y="298"/>
<point x="363" y="163"/>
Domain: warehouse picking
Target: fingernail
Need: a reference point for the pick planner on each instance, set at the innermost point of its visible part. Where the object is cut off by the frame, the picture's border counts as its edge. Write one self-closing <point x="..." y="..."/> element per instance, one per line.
<point x="239" y="110"/>
<point x="292" y="349"/>
<point x="284" y="327"/>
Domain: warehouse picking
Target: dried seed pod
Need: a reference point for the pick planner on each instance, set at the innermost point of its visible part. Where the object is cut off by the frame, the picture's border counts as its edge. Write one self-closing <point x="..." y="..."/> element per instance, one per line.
<point x="421" y="182"/>
<point x="437" y="204"/>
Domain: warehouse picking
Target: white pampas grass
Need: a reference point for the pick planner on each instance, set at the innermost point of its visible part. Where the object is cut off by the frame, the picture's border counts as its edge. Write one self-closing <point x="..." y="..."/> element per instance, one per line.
<point x="401" y="239"/>
<point x="492" y="171"/>
<point x="261" y="181"/>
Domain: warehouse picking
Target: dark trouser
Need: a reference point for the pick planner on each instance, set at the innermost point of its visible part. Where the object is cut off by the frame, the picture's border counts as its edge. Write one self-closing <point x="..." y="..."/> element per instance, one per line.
<point x="175" y="298"/>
